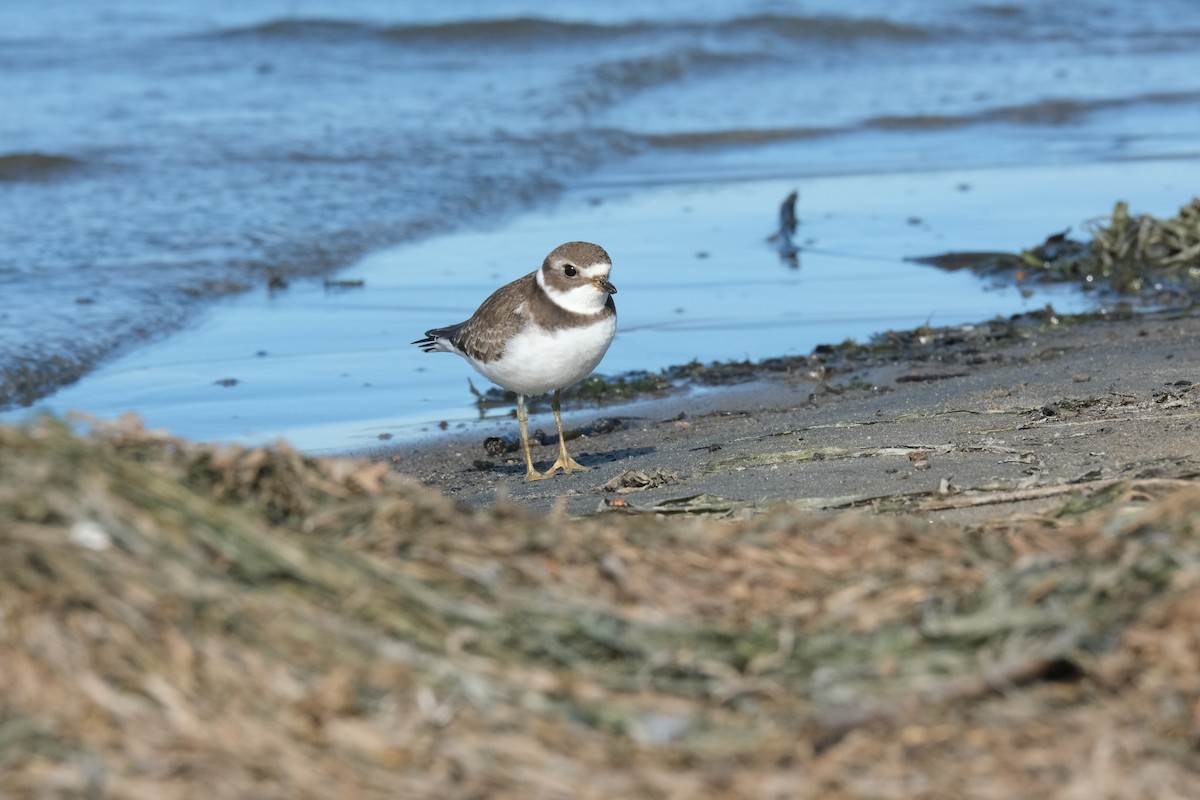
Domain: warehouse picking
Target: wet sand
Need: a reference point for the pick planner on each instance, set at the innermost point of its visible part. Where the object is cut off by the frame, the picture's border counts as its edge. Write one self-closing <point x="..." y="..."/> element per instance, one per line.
<point x="958" y="423"/>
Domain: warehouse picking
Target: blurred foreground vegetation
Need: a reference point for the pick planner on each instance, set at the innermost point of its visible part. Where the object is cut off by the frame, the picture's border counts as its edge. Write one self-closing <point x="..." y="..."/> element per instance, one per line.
<point x="183" y="620"/>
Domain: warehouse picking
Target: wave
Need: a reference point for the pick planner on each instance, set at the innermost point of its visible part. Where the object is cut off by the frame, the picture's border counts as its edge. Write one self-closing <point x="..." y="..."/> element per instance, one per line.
<point x="736" y="136"/>
<point x="612" y="81"/>
<point x="829" y="28"/>
<point x="1049" y="111"/>
<point x="1052" y="111"/>
<point x="511" y="30"/>
<point x="35" y="166"/>
<point x="524" y="30"/>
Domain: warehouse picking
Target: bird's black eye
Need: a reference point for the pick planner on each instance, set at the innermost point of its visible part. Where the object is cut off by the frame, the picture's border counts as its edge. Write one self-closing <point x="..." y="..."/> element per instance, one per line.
<point x="570" y="271"/>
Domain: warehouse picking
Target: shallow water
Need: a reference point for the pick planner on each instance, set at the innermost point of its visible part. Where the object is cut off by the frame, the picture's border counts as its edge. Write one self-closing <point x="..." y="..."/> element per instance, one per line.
<point x="334" y="368"/>
<point x="188" y="152"/>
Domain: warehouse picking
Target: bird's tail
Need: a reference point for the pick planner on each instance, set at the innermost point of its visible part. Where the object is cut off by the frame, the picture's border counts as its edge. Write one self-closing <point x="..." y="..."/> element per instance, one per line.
<point x="428" y="344"/>
<point x="439" y="339"/>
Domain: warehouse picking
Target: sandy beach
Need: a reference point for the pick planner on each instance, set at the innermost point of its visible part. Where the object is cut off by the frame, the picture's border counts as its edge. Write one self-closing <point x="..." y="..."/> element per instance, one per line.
<point x="958" y="423"/>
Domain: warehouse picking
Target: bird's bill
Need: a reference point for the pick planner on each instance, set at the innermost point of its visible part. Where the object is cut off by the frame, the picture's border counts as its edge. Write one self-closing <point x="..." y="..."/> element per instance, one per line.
<point x="603" y="285"/>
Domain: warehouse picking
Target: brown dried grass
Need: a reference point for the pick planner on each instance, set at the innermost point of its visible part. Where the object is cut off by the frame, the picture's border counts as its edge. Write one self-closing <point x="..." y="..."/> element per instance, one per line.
<point x="179" y="620"/>
<point x="1131" y="253"/>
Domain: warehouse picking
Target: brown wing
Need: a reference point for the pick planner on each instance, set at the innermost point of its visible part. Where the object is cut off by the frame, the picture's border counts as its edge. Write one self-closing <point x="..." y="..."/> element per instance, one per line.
<point x="484" y="335"/>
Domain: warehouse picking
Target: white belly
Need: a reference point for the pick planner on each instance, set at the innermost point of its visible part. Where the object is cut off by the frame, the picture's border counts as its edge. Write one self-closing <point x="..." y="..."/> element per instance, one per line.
<point x="536" y="361"/>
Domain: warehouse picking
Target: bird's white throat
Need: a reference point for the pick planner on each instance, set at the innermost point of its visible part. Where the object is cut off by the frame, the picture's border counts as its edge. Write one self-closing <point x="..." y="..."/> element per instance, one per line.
<point x="582" y="299"/>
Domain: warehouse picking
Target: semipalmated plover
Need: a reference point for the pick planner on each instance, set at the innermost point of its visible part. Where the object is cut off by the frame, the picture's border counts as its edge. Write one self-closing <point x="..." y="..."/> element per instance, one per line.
<point x="547" y="330"/>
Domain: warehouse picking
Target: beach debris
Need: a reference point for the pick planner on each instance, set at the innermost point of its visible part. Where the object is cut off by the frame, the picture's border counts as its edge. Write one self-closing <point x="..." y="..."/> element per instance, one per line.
<point x="964" y="344"/>
<point x="1126" y="241"/>
<point x="594" y="390"/>
<point x="717" y="373"/>
<point x="782" y="238"/>
<point x="703" y="504"/>
<point x="344" y="283"/>
<point x="618" y="388"/>
<point x="497" y="446"/>
<point x="787" y="215"/>
<point x="603" y="425"/>
<point x="492" y="398"/>
<point x="922" y="377"/>
<point x="1129" y="254"/>
<point x="914" y="453"/>
<point x="638" y="480"/>
<point x="919" y="459"/>
<point x="1057" y="247"/>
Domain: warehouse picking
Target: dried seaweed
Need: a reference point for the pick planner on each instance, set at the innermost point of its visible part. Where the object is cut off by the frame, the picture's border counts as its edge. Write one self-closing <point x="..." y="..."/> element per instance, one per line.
<point x="1131" y="254"/>
<point x="181" y="620"/>
<point x="1155" y="260"/>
